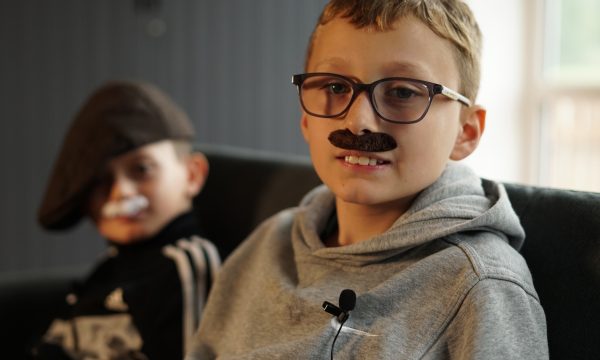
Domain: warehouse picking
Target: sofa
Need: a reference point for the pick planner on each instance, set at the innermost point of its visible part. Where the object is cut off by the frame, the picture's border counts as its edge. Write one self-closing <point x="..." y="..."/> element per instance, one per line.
<point x="562" y="247"/>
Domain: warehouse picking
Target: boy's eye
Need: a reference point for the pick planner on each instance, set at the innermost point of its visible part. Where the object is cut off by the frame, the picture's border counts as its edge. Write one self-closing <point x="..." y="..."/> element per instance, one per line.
<point x="401" y="93"/>
<point x="336" y="88"/>
<point x="141" y="170"/>
<point x="324" y="84"/>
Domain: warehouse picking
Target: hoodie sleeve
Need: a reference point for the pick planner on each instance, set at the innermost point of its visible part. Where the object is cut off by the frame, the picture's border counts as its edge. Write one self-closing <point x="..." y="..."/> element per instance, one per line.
<point x="498" y="320"/>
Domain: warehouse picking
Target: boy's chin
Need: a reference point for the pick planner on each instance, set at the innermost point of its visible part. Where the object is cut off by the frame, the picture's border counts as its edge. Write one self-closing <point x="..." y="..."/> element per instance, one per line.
<point x="359" y="191"/>
<point x="126" y="240"/>
<point x="372" y="197"/>
<point x="126" y="235"/>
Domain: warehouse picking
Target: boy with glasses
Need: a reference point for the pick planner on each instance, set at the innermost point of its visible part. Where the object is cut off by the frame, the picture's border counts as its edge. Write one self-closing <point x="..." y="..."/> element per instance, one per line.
<point x="424" y="256"/>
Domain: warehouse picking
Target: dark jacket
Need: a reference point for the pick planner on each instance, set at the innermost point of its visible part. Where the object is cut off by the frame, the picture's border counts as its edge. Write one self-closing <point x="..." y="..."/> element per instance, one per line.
<point x="142" y="301"/>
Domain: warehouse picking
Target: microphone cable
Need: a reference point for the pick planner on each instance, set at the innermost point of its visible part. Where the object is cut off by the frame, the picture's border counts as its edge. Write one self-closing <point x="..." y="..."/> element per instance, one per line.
<point x="336" y="335"/>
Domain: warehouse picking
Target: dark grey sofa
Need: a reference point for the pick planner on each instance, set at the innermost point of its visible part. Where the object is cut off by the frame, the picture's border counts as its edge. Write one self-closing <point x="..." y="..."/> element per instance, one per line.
<point x="244" y="187"/>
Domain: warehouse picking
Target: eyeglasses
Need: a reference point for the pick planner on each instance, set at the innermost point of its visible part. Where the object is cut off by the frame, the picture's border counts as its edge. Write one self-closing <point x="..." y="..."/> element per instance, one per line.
<point x="395" y="99"/>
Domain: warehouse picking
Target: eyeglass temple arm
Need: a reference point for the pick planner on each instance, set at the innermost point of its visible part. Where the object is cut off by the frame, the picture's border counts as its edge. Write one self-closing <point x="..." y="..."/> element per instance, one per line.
<point x="455" y="96"/>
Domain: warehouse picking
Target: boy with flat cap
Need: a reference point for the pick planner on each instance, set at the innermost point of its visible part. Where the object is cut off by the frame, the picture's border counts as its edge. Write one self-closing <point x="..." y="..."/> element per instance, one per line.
<point x="127" y="164"/>
<point x="422" y="255"/>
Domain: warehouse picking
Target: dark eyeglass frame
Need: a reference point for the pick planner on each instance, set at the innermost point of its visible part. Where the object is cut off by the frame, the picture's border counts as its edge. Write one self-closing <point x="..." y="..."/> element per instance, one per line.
<point x="357" y="88"/>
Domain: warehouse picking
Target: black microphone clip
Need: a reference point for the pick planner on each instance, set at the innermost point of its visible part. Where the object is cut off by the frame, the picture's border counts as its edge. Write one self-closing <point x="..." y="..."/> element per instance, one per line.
<point x="332" y="309"/>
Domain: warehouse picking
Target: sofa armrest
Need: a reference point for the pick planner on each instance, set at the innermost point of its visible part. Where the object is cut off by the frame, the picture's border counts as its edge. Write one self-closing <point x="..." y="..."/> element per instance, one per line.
<point x="562" y="249"/>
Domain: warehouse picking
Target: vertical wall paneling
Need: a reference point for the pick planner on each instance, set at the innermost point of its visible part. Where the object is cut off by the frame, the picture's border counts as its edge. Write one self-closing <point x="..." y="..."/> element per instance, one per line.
<point x="227" y="62"/>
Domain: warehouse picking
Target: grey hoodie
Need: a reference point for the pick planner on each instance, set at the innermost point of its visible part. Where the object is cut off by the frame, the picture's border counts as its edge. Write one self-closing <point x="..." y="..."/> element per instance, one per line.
<point x="445" y="281"/>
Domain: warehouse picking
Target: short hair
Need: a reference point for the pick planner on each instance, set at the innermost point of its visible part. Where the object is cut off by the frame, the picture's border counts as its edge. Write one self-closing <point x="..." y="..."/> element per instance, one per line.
<point x="450" y="19"/>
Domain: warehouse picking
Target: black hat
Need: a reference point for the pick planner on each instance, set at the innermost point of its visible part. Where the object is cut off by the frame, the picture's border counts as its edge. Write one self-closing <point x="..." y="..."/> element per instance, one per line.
<point x="118" y="117"/>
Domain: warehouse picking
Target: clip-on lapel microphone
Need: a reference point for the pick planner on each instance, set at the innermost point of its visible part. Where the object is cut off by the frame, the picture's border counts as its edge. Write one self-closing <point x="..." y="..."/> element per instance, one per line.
<point x="347" y="302"/>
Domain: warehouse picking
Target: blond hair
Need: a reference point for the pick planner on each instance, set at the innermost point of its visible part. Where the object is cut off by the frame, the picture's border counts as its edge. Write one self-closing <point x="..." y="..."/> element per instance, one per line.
<point x="449" y="19"/>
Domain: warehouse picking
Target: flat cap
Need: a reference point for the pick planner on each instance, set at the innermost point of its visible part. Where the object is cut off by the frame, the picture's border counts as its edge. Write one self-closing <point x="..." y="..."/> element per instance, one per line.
<point x="118" y="117"/>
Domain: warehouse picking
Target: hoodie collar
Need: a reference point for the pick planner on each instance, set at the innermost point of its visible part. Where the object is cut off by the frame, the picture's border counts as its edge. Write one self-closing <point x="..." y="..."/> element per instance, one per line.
<point x="455" y="203"/>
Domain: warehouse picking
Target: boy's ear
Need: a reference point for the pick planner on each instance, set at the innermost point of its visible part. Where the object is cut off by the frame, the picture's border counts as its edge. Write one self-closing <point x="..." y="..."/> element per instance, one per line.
<point x="471" y="129"/>
<point x="197" y="166"/>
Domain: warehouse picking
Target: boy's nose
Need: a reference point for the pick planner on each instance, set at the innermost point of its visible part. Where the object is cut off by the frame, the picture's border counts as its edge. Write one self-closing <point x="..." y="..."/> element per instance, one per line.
<point x="361" y="117"/>
<point x="122" y="187"/>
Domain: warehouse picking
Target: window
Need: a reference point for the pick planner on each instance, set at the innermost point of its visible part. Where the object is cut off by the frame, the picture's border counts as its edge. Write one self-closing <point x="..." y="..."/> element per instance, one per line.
<point x="569" y="103"/>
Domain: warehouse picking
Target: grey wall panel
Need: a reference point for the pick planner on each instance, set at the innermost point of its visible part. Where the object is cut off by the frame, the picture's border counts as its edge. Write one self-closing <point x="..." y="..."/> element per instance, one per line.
<point x="227" y="62"/>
